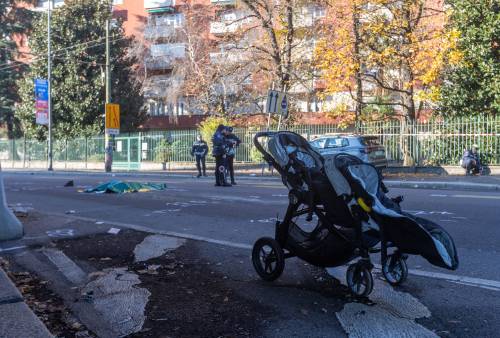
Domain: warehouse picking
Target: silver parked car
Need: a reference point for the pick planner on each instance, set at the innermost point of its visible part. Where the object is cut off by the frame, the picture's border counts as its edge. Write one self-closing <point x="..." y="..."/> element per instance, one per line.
<point x="367" y="148"/>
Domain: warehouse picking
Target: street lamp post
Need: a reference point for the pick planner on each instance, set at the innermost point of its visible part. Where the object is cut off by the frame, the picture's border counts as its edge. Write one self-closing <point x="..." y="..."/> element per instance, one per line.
<point x="49" y="87"/>
<point x="108" y="161"/>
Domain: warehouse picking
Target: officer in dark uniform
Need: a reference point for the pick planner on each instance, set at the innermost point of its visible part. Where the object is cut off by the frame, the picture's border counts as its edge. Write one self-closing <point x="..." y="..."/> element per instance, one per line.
<point x="471" y="161"/>
<point x="234" y="142"/>
<point x="219" y="151"/>
<point x="200" y="151"/>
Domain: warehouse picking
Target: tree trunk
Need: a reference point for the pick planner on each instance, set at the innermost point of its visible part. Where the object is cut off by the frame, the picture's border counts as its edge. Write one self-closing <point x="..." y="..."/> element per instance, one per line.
<point x="357" y="60"/>
<point x="285" y="81"/>
<point x="408" y="102"/>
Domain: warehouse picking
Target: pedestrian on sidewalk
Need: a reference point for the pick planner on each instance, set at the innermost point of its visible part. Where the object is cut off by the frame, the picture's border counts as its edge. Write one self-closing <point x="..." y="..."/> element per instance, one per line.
<point x="220" y="145"/>
<point x="234" y="143"/>
<point x="200" y="151"/>
<point x="471" y="161"/>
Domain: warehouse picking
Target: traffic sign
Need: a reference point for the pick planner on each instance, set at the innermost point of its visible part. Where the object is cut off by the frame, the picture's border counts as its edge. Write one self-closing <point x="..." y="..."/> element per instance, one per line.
<point x="277" y="103"/>
<point x="112" y="119"/>
<point x="42" y="116"/>
<point x="42" y="101"/>
<point x="41" y="90"/>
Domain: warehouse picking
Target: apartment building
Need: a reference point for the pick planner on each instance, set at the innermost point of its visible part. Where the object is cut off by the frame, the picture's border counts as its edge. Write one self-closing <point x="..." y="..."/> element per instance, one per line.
<point x="162" y="28"/>
<point x="166" y="30"/>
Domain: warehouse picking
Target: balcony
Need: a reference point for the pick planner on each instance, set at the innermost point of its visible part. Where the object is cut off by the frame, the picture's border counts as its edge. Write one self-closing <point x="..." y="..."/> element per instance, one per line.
<point x="155" y="32"/>
<point x="171" y="50"/>
<point x="152" y="4"/>
<point x="43" y="5"/>
<point x="223" y="2"/>
<point x="221" y="28"/>
<point x="163" y="56"/>
<point x="228" y="57"/>
<point x="159" y="63"/>
<point x="158" y="86"/>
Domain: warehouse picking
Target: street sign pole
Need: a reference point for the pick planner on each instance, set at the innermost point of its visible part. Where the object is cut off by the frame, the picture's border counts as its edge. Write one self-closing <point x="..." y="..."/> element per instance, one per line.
<point x="108" y="164"/>
<point x="49" y="77"/>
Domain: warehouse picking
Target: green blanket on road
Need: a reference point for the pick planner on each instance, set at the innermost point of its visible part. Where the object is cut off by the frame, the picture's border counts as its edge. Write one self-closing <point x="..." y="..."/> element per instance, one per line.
<point x="122" y="187"/>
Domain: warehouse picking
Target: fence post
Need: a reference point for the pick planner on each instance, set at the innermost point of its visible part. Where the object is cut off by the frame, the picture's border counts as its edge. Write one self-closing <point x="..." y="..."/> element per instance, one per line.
<point x="66" y="154"/>
<point x="24" y="151"/>
<point x="13" y="150"/>
<point x="86" y="151"/>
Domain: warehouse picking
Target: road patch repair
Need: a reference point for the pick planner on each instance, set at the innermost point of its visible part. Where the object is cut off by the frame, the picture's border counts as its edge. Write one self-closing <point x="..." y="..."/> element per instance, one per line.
<point x="139" y="285"/>
<point x="123" y="187"/>
<point x="390" y="313"/>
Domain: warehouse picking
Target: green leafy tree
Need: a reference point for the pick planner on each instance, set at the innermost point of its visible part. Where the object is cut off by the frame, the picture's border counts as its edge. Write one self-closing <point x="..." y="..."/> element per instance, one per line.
<point x="473" y="86"/>
<point x="14" y="22"/>
<point x="163" y="152"/>
<point x="78" y="73"/>
<point x="208" y="127"/>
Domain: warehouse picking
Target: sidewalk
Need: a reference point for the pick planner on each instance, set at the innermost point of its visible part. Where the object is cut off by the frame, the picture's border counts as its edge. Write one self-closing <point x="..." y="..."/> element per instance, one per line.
<point x="17" y="318"/>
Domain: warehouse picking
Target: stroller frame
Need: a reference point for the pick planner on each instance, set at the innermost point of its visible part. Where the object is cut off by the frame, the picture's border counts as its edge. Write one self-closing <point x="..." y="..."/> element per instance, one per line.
<point x="270" y="264"/>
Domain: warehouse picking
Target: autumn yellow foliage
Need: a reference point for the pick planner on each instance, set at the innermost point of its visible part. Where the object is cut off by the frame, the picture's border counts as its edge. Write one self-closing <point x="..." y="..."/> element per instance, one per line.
<point x="406" y="45"/>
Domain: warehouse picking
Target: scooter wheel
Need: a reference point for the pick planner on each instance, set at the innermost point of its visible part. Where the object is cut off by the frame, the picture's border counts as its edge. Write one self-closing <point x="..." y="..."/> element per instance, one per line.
<point x="395" y="270"/>
<point x="359" y="280"/>
<point x="268" y="259"/>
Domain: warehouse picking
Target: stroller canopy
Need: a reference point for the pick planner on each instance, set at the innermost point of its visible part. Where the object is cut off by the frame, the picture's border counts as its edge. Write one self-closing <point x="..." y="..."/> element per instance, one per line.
<point x="353" y="179"/>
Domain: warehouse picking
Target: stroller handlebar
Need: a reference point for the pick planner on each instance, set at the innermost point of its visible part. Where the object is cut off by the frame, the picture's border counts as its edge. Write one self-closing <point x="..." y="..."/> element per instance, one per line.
<point x="256" y="141"/>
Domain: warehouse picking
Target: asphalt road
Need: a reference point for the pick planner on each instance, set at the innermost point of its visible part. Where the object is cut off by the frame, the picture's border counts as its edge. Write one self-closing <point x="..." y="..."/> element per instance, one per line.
<point x="461" y="303"/>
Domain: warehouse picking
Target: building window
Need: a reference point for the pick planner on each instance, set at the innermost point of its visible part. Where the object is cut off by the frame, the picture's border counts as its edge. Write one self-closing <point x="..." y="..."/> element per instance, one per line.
<point x="176" y="20"/>
<point x="318" y="12"/>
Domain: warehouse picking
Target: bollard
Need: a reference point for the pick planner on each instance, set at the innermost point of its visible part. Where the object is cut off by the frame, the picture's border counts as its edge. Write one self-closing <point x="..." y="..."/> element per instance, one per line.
<point x="10" y="227"/>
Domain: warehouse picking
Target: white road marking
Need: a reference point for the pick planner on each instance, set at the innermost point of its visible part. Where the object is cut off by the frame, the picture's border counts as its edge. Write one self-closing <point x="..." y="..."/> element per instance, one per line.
<point x="68" y="268"/>
<point x="423" y="212"/>
<point x="244" y="199"/>
<point x="438" y="195"/>
<point x="478" y="282"/>
<point x="487" y="197"/>
<point x="61" y="233"/>
<point x="13" y="248"/>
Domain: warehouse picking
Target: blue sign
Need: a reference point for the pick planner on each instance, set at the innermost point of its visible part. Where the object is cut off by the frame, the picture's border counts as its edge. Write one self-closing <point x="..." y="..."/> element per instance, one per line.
<point x="41" y="90"/>
<point x="284" y="104"/>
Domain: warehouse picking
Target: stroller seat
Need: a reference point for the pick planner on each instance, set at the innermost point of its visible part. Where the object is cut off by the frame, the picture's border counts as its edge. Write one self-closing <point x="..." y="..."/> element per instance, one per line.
<point x="353" y="215"/>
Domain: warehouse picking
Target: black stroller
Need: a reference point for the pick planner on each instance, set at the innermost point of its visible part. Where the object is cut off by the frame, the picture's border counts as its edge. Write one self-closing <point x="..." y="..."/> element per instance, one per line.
<point x="345" y="198"/>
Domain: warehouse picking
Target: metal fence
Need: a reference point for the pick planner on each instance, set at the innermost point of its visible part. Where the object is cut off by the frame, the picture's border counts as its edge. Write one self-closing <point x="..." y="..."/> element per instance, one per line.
<point x="432" y="143"/>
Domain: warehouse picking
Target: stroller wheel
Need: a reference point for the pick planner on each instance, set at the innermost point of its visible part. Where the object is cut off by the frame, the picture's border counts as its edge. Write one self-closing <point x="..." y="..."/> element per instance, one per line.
<point x="359" y="280"/>
<point x="395" y="269"/>
<point x="268" y="258"/>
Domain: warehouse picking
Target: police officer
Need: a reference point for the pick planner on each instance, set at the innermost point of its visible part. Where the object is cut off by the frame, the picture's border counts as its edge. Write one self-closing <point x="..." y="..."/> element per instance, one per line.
<point x="471" y="161"/>
<point x="219" y="151"/>
<point x="200" y="151"/>
<point x="234" y="142"/>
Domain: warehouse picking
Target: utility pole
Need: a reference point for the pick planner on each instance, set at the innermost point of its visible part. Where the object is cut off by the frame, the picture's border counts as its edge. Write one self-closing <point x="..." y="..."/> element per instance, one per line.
<point x="49" y="86"/>
<point x="107" y="138"/>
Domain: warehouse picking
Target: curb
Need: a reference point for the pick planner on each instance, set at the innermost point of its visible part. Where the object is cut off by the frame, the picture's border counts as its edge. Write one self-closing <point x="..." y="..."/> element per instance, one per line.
<point x="18" y="320"/>
<point x="8" y="292"/>
<point x="431" y="185"/>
